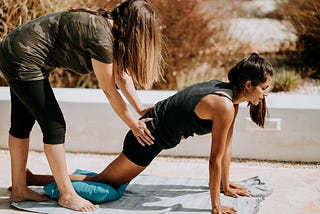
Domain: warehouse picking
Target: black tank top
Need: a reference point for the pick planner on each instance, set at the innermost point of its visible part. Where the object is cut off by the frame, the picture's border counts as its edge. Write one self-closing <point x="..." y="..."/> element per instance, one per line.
<point x="174" y="117"/>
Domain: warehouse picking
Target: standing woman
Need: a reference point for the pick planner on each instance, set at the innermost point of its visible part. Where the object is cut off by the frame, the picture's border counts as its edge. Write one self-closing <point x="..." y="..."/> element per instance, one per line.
<point x="122" y="47"/>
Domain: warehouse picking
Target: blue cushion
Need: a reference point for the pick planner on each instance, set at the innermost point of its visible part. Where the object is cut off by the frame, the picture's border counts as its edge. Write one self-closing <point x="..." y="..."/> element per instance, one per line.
<point x="92" y="191"/>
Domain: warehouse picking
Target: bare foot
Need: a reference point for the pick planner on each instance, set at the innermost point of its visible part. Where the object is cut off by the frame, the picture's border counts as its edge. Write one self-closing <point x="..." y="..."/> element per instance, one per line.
<point x="77" y="203"/>
<point x="26" y="194"/>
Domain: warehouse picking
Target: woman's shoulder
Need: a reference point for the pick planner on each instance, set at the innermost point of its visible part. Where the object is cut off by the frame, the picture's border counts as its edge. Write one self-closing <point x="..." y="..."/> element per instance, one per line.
<point x="211" y="106"/>
<point x="87" y="18"/>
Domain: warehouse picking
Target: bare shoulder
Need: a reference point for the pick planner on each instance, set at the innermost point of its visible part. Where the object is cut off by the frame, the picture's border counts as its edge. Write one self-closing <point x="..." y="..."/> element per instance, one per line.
<point x="212" y="106"/>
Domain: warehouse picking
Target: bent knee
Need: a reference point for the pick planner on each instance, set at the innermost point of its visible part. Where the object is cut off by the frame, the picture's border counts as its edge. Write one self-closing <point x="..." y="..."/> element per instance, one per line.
<point x="21" y="130"/>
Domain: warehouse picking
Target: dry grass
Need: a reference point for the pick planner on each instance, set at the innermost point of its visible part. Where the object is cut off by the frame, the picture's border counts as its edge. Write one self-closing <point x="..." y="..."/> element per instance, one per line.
<point x="199" y="45"/>
<point x="199" y="48"/>
<point x="16" y="12"/>
<point x="304" y="15"/>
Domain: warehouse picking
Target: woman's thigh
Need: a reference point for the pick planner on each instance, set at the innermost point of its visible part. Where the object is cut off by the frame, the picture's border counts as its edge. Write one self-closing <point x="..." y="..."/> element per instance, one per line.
<point x="120" y="171"/>
<point x="38" y="99"/>
<point x="138" y="154"/>
<point x="130" y="163"/>
<point x="21" y="119"/>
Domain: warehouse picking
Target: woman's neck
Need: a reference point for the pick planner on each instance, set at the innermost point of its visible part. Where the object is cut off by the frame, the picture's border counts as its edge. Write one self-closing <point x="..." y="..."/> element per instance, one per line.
<point x="240" y="98"/>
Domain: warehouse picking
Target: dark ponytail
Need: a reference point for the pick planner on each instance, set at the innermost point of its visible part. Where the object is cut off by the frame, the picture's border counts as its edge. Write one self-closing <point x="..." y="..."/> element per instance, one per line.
<point x="255" y="69"/>
<point x="258" y="112"/>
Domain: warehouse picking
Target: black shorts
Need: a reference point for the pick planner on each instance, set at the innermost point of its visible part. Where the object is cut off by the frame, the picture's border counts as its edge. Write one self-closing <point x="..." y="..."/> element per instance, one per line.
<point x="138" y="154"/>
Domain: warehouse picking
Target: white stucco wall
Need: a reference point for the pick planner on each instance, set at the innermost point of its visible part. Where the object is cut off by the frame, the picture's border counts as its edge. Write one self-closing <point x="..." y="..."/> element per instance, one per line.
<point x="291" y="132"/>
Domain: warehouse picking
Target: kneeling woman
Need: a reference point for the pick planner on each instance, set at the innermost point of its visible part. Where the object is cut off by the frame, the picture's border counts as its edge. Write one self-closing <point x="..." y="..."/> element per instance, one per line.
<point x="208" y="107"/>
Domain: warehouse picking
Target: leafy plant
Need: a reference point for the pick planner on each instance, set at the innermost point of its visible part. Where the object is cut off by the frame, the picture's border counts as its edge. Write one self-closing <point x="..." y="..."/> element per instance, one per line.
<point x="286" y="81"/>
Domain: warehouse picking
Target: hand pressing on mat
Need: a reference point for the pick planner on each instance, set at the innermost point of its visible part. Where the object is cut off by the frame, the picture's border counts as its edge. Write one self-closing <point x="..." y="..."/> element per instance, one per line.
<point x="236" y="190"/>
<point x="224" y="210"/>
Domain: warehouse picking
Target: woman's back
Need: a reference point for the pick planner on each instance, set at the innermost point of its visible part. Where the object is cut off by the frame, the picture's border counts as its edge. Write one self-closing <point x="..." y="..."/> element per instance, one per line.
<point x="174" y="117"/>
<point x="63" y="39"/>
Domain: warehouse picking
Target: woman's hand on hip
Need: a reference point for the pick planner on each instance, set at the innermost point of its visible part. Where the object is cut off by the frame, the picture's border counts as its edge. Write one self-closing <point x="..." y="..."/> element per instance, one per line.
<point x="141" y="132"/>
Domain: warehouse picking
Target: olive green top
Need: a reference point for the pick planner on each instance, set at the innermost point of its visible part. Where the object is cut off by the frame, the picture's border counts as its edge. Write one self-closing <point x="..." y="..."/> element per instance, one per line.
<point x="58" y="40"/>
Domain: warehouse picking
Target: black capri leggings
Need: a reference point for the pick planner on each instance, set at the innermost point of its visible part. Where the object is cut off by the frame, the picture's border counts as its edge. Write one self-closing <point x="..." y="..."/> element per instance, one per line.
<point x="35" y="100"/>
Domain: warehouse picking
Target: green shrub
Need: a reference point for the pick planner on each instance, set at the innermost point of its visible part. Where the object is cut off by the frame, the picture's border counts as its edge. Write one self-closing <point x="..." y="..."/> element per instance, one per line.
<point x="285" y="81"/>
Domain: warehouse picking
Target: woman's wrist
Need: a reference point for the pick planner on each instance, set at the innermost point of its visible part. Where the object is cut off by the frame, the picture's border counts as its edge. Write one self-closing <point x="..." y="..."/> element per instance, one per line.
<point x="141" y="110"/>
<point x="216" y="209"/>
<point x="132" y="124"/>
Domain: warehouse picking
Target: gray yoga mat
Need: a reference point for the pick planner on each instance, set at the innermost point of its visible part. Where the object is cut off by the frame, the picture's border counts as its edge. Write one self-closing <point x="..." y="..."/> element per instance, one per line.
<point x="150" y="194"/>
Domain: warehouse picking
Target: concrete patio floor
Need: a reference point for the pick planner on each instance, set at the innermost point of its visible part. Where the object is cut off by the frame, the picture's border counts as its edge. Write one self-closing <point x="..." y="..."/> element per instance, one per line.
<point x="296" y="186"/>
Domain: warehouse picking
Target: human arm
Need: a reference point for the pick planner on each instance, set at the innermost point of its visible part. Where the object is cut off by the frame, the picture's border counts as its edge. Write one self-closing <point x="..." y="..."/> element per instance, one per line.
<point x="125" y="84"/>
<point x="222" y="122"/>
<point x="107" y="83"/>
<point x="221" y="112"/>
<point x="229" y="188"/>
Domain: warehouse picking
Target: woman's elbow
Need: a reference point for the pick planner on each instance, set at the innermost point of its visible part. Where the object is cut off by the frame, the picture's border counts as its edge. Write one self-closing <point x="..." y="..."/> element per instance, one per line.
<point x="109" y="93"/>
<point x="120" y="80"/>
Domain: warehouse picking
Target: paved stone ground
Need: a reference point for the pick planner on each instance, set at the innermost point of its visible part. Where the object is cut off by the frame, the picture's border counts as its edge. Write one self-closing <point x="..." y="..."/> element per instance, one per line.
<point x="296" y="186"/>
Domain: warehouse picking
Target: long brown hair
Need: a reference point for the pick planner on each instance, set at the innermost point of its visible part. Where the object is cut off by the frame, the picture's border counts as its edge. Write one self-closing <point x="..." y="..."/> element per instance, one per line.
<point x="255" y="69"/>
<point x="137" y="41"/>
